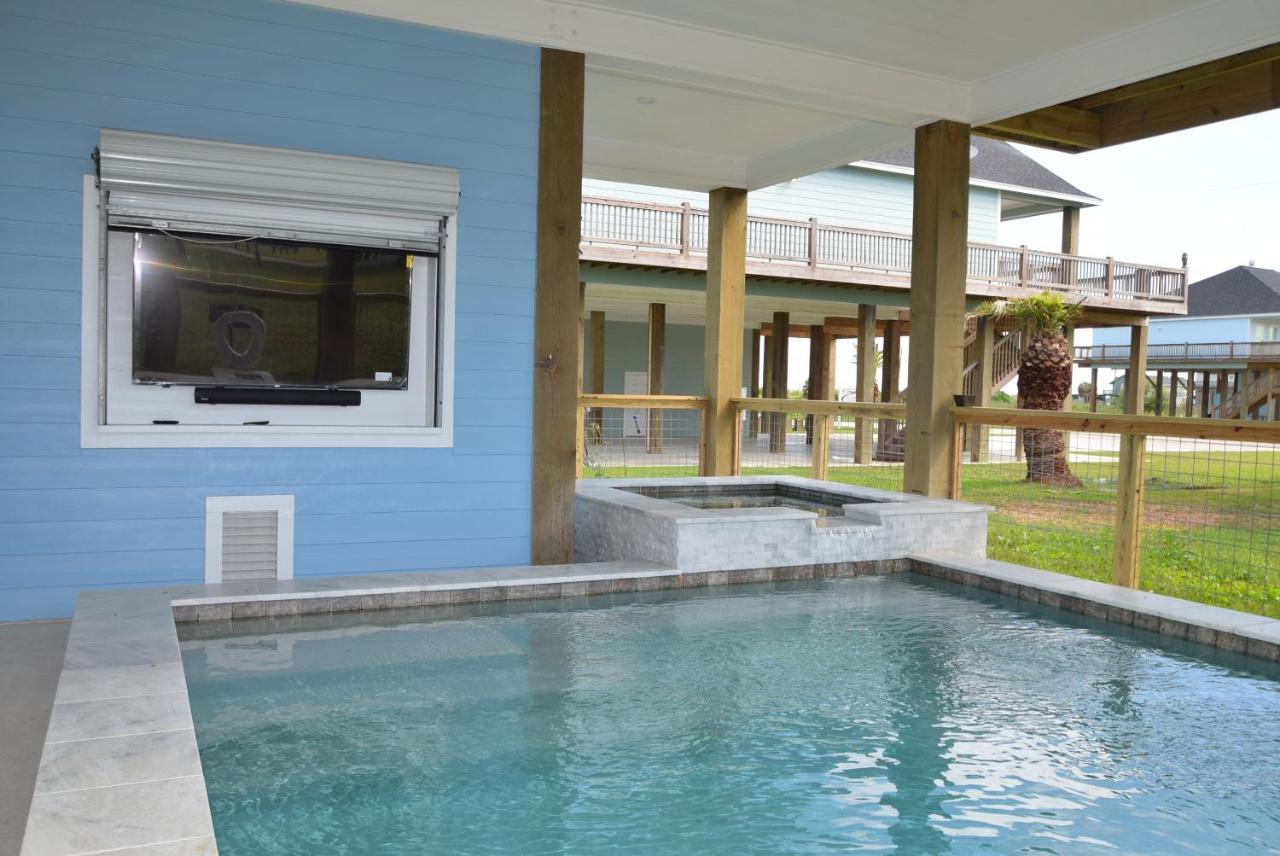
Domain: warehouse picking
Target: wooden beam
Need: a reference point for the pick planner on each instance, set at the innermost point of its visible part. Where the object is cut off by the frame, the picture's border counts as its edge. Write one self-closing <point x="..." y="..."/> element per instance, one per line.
<point x="1172" y="79"/>
<point x="1241" y="92"/>
<point x="830" y="408"/>
<point x="781" y="350"/>
<point x="726" y="290"/>
<point x="657" y="354"/>
<point x="1135" y="385"/>
<point x="1060" y="126"/>
<point x="1225" y="88"/>
<point x="1092" y="423"/>
<point x="939" y="263"/>
<point x="556" y="335"/>
<point x="866" y="381"/>
<point x="766" y="383"/>
<point x="618" y="399"/>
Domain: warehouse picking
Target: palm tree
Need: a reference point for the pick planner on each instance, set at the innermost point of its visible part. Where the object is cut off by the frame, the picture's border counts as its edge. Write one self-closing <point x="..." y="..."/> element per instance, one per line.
<point x="1044" y="377"/>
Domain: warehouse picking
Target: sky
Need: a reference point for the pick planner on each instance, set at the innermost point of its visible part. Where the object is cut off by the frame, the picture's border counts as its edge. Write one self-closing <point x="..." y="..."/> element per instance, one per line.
<point x="1211" y="192"/>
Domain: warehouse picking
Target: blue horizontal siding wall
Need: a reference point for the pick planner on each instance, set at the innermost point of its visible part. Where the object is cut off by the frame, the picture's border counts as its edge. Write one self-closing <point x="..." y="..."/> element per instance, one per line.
<point x="275" y="74"/>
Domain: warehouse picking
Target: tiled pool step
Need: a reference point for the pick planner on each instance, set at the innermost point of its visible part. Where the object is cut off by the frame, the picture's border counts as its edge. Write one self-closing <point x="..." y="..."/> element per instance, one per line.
<point x="120" y="772"/>
<point x="477" y="585"/>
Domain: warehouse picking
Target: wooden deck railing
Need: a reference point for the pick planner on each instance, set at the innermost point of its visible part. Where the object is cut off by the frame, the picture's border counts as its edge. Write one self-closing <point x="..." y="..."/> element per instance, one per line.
<point x="807" y="245"/>
<point x="1184" y="352"/>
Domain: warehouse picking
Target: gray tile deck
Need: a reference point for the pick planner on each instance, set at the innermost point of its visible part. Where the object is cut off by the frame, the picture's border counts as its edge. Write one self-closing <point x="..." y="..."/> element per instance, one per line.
<point x="121" y="743"/>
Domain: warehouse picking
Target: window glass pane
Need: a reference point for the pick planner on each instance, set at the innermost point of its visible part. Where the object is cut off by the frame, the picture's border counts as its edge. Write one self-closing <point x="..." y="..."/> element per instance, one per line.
<point x="262" y="312"/>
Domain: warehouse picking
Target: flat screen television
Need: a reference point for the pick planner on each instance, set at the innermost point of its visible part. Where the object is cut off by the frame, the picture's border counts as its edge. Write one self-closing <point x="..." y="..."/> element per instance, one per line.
<point x="267" y="313"/>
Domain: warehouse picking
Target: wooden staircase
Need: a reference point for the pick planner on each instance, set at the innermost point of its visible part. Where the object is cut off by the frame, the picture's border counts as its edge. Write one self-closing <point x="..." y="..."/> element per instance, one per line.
<point x="1005" y="359"/>
<point x="1259" y="389"/>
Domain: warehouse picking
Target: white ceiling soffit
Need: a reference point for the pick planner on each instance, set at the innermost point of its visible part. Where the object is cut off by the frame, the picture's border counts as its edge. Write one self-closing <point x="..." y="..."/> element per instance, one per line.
<point x="698" y="94"/>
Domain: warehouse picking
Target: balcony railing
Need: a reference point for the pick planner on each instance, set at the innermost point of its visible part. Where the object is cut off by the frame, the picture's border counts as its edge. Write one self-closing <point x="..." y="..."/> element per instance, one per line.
<point x="1185" y="352"/>
<point x="816" y="249"/>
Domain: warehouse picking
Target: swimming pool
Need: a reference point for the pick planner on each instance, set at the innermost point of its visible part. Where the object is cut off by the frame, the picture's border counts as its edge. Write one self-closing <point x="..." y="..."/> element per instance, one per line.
<point x="893" y="714"/>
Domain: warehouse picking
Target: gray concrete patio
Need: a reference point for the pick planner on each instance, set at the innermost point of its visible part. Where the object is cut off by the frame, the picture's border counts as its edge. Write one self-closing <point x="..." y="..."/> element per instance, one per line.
<point x="29" y="669"/>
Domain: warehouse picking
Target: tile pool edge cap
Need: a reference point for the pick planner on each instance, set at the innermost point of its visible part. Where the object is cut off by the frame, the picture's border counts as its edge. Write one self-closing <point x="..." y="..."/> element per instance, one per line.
<point x="1239" y="632"/>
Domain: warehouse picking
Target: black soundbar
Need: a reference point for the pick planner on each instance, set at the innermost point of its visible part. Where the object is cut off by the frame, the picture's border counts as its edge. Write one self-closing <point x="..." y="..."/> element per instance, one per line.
<point x="272" y="395"/>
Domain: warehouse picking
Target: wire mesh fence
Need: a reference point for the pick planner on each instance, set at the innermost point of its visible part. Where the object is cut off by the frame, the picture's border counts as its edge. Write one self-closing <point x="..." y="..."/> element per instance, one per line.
<point x="876" y="462"/>
<point x="1054" y="509"/>
<point x="1210" y="526"/>
<point x="775" y="444"/>
<point x="641" y="442"/>
<point x="1211" y="522"/>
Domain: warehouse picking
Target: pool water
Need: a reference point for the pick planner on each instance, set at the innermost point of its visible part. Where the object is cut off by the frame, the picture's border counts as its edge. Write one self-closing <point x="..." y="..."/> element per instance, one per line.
<point x="883" y="714"/>
<point x="749" y="501"/>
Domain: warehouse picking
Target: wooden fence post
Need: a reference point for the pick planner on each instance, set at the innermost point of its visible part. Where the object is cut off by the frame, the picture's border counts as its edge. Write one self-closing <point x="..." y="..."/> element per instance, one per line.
<point x="957" y="458"/>
<point x="821" y="445"/>
<point x="1129" y="493"/>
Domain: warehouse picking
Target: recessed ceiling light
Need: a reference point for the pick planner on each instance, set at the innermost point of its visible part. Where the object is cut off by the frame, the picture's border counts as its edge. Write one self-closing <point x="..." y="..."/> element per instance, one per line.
<point x="646" y="99"/>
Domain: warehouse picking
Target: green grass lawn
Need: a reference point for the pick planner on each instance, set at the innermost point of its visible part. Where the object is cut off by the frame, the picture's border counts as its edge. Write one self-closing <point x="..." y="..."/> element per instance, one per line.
<point x="1211" y="525"/>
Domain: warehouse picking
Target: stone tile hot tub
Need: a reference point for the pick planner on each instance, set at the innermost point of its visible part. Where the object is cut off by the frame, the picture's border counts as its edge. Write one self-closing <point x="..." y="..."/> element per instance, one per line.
<point x="755" y="522"/>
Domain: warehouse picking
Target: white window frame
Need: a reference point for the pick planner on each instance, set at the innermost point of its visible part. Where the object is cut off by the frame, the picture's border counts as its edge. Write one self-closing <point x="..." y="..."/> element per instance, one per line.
<point x="96" y="431"/>
<point x="216" y="506"/>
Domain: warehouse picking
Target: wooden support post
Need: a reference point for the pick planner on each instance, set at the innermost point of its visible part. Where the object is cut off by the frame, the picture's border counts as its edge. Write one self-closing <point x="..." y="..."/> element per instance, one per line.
<point x="890" y="368"/>
<point x="1222" y="395"/>
<point x="1135" y="386"/>
<point x="1093" y="391"/>
<point x="863" y="427"/>
<point x="1070" y="243"/>
<point x="890" y="365"/>
<point x="1127" y="552"/>
<point x="817" y="351"/>
<point x="753" y="388"/>
<point x="1191" y="392"/>
<point x="597" y="366"/>
<point x="726" y="290"/>
<point x="1071" y="230"/>
<point x="1071" y="349"/>
<point x="1173" y="393"/>
<point x="580" y="421"/>
<point x="1204" y="395"/>
<point x="1159" y="391"/>
<point x="820" y="370"/>
<point x="939" y="266"/>
<point x="986" y="343"/>
<point x="781" y="348"/>
<point x="555" y="337"/>
<point x="657" y="355"/>
<point x="766" y="383"/>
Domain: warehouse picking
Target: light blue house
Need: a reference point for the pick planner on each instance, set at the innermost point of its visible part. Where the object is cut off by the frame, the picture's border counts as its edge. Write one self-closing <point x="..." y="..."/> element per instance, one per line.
<point x="1221" y="359"/>
<point x="76" y="513"/>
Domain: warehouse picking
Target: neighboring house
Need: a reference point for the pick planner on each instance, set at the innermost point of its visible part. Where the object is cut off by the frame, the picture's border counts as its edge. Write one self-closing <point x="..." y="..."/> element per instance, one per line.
<point x="1229" y="341"/>
<point x="823" y="246"/>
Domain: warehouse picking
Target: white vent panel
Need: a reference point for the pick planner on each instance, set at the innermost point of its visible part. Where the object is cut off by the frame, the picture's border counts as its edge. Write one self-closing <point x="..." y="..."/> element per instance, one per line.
<point x="250" y="541"/>
<point x="248" y="538"/>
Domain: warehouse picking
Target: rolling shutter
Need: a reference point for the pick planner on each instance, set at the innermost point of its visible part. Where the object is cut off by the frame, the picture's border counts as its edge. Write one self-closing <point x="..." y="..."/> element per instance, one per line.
<point x="181" y="184"/>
